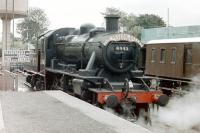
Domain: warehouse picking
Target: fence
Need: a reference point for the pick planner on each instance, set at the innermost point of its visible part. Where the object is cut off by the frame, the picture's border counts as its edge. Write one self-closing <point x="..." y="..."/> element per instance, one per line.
<point x="170" y="33"/>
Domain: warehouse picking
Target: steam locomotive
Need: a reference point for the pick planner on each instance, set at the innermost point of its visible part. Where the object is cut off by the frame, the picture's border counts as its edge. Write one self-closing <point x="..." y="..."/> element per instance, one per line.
<point x="95" y="64"/>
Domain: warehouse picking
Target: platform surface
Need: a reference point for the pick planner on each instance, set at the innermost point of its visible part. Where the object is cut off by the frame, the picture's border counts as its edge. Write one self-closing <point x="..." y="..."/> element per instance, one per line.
<point x="57" y="112"/>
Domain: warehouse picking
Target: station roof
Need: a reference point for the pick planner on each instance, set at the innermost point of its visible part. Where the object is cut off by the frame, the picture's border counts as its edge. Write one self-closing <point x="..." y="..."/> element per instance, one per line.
<point x="177" y="40"/>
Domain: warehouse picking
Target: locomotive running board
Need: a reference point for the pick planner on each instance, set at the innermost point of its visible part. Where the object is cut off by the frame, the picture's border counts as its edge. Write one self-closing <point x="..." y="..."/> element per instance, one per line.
<point x="75" y="75"/>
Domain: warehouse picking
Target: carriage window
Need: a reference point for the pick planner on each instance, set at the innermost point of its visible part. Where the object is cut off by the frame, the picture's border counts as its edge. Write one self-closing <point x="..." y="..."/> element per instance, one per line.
<point x="162" y="55"/>
<point x="153" y="55"/>
<point x="173" y="55"/>
<point x="188" y="56"/>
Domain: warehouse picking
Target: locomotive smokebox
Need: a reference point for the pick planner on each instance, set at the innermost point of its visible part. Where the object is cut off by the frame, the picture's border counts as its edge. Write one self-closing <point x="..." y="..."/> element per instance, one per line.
<point x="112" y="23"/>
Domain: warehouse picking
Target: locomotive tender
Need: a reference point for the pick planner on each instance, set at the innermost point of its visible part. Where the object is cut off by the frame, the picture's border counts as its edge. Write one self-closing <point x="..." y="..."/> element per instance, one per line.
<point x="97" y="65"/>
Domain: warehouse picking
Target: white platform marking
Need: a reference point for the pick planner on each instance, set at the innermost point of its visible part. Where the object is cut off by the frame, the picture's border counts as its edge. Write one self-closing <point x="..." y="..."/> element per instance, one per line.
<point x="2" y="126"/>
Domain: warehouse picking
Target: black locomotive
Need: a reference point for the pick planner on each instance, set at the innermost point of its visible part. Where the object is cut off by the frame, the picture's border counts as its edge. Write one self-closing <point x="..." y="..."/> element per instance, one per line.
<point x="97" y="65"/>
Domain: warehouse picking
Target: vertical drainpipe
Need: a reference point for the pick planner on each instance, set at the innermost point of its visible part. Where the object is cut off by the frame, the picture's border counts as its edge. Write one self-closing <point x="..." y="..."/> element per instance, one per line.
<point x="13" y="21"/>
<point x="6" y="23"/>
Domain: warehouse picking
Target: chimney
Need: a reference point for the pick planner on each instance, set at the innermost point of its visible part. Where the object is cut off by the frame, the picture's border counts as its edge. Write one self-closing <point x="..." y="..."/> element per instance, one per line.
<point x="112" y="22"/>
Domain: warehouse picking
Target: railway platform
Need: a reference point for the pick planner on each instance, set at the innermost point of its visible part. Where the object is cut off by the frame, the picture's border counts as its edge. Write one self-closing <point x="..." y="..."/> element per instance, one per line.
<point x="57" y="112"/>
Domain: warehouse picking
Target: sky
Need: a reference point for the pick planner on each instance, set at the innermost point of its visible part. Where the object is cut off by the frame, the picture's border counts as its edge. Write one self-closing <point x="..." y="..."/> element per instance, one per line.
<point x="73" y="13"/>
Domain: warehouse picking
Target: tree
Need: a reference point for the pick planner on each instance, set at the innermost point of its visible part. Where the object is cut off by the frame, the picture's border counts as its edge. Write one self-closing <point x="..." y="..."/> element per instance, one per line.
<point x="133" y="24"/>
<point x="33" y="25"/>
<point x="150" y="21"/>
<point x="126" y="21"/>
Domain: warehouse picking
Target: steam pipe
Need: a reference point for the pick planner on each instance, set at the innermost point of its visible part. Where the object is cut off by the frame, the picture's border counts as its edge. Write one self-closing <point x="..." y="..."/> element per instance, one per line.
<point x="91" y="61"/>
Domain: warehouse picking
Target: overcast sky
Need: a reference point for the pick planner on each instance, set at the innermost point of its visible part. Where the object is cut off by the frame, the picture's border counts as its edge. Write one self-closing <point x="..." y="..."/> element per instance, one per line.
<point x="75" y="12"/>
<point x="72" y="13"/>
